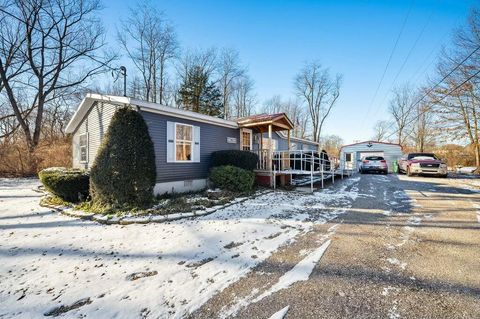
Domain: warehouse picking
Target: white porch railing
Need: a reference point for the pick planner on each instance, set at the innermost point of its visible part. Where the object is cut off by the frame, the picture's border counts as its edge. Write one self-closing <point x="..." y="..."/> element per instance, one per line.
<point x="300" y="162"/>
<point x="296" y="160"/>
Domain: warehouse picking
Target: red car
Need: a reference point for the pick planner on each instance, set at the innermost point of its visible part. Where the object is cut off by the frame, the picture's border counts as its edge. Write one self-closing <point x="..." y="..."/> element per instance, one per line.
<point x="422" y="164"/>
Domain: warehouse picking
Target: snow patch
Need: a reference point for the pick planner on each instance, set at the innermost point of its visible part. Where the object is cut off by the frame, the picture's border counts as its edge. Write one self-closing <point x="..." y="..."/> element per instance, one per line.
<point x="393" y="312"/>
<point x="281" y="313"/>
<point x="386" y="290"/>
<point x="300" y="272"/>
<point x="414" y="220"/>
<point x="396" y="262"/>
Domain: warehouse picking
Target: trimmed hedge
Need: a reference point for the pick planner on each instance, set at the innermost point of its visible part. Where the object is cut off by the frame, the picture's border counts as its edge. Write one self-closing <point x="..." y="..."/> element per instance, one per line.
<point x="232" y="178"/>
<point x="123" y="173"/>
<point x="242" y="159"/>
<point x="70" y="185"/>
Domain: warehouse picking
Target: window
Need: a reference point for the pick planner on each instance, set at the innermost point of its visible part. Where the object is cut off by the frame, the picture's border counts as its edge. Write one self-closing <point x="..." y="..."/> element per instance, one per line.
<point x="83" y="148"/>
<point x="246" y="140"/>
<point x="348" y="157"/>
<point x="183" y="142"/>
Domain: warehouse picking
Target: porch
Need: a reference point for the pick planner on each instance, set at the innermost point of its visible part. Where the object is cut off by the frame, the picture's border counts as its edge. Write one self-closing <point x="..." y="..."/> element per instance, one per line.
<point x="298" y="168"/>
<point x="284" y="165"/>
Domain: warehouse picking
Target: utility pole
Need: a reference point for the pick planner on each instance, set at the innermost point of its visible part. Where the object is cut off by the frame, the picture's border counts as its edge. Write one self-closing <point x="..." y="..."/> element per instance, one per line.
<point x="123" y="71"/>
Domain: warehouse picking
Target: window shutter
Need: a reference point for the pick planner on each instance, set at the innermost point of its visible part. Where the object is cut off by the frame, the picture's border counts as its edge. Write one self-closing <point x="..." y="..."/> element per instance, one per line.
<point x="196" y="144"/>
<point x="170" y="142"/>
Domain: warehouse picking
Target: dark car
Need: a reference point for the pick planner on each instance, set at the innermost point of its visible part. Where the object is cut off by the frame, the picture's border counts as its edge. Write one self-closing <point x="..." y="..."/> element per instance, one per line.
<point x="374" y="164"/>
<point x="422" y="164"/>
<point x="303" y="160"/>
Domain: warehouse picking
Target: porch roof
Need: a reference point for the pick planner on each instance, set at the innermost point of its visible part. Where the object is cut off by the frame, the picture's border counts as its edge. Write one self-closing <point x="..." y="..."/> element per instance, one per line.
<point x="279" y="122"/>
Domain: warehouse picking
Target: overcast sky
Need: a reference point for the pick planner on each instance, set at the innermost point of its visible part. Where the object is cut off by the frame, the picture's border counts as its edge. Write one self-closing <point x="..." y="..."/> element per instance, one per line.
<point x="354" y="38"/>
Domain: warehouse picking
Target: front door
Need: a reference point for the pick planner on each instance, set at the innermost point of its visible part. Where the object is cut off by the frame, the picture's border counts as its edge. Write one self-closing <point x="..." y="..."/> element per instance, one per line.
<point x="348" y="160"/>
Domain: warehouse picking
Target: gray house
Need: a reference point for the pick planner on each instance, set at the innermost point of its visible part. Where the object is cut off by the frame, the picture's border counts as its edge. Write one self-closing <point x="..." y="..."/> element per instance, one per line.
<point x="183" y="140"/>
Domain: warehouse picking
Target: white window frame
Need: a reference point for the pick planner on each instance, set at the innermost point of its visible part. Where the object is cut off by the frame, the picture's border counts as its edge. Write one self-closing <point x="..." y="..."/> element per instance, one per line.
<point x="80" y="148"/>
<point x="192" y="142"/>
<point x="246" y="130"/>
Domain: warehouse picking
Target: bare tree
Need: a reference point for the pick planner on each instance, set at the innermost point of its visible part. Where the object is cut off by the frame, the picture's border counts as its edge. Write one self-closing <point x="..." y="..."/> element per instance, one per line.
<point x="273" y="105"/>
<point x="319" y="91"/>
<point x="54" y="48"/>
<point x="402" y="110"/>
<point x="456" y="101"/>
<point x="423" y="128"/>
<point x="298" y="115"/>
<point x="151" y="43"/>
<point x="244" y="99"/>
<point x="229" y="69"/>
<point x="293" y="109"/>
<point x="381" y="130"/>
<point x="332" y="144"/>
<point x="205" y="59"/>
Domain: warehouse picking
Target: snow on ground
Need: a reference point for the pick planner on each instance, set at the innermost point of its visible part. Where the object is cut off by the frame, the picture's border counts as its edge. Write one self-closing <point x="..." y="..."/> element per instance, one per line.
<point x="160" y="270"/>
<point x="300" y="272"/>
<point x="281" y="313"/>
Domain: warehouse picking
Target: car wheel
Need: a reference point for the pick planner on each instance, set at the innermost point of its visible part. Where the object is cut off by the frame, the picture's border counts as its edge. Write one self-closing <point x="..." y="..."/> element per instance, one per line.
<point x="443" y="176"/>
<point x="408" y="171"/>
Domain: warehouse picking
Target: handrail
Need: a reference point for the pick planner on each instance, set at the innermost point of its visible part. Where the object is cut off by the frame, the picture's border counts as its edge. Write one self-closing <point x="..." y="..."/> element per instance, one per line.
<point x="292" y="160"/>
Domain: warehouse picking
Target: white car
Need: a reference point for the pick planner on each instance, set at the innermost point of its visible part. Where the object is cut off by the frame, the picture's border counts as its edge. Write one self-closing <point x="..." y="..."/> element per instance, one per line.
<point x="373" y="164"/>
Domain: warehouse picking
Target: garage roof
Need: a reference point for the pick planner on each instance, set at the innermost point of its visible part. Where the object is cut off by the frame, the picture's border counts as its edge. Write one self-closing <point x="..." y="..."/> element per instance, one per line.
<point x="371" y="142"/>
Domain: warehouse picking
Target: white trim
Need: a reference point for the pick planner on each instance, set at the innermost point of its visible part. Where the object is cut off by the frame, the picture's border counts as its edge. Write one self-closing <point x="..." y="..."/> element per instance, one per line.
<point x="180" y="186"/>
<point x="80" y="149"/>
<point x="175" y="143"/>
<point x="91" y="98"/>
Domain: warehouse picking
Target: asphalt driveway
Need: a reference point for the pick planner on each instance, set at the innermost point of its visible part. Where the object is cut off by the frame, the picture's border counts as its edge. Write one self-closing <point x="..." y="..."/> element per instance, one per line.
<point x="408" y="247"/>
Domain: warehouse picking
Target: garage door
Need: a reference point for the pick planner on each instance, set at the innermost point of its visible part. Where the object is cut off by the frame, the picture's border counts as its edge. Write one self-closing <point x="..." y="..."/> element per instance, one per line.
<point x="363" y="154"/>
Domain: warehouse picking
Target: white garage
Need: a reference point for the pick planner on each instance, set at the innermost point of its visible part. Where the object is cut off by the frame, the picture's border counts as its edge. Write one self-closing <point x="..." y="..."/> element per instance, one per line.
<point x="352" y="154"/>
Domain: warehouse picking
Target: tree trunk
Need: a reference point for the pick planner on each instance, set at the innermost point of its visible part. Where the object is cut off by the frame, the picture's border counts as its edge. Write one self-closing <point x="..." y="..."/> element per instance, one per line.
<point x="161" y="89"/>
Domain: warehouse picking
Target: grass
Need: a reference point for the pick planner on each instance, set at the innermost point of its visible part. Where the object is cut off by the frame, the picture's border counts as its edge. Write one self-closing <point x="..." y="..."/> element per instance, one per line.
<point x="164" y="204"/>
<point x="52" y="200"/>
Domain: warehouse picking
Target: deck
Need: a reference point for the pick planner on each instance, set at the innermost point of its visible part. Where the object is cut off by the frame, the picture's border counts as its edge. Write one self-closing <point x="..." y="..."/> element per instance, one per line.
<point x="298" y="167"/>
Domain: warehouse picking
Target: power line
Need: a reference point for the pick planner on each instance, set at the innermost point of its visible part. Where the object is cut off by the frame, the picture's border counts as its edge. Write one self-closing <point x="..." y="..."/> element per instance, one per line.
<point x="446" y="94"/>
<point x="406" y="59"/>
<point x="388" y="61"/>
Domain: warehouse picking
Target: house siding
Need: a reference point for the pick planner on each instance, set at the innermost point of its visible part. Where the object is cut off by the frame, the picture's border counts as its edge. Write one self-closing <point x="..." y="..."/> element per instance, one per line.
<point x="212" y="138"/>
<point x="95" y="123"/>
<point x="391" y="152"/>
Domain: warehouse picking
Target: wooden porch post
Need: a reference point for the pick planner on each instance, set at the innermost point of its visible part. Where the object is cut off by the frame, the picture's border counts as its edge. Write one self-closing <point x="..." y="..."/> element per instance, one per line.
<point x="288" y="149"/>
<point x="270" y="148"/>
<point x="261" y="155"/>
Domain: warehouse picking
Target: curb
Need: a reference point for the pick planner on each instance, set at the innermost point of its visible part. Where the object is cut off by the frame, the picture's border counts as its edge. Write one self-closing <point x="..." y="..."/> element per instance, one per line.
<point x="103" y="219"/>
